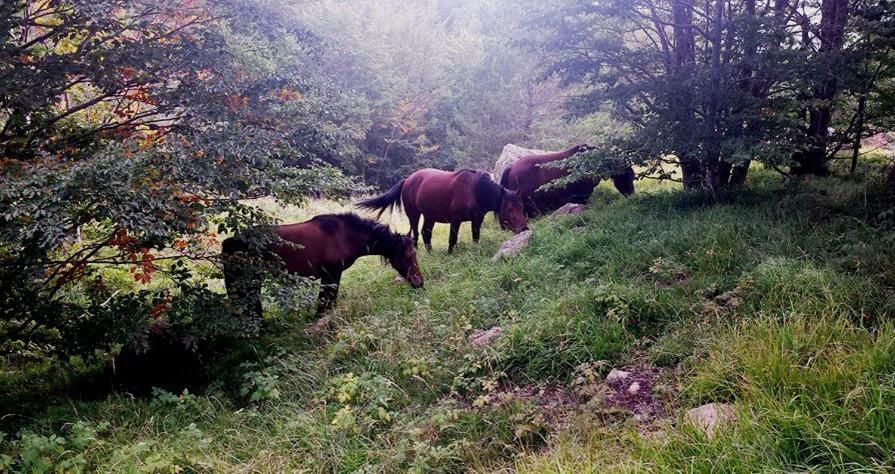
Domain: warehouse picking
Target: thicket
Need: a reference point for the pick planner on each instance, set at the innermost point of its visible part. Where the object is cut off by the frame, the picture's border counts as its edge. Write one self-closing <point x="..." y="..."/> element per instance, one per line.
<point x="135" y="134"/>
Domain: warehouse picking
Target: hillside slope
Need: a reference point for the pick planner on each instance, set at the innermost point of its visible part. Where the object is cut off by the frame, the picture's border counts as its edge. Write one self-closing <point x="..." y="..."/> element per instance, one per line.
<point x="777" y="303"/>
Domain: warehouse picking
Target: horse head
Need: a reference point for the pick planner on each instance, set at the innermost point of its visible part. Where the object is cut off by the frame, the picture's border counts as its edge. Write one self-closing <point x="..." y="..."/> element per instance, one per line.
<point x="403" y="260"/>
<point x="624" y="181"/>
<point x="511" y="214"/>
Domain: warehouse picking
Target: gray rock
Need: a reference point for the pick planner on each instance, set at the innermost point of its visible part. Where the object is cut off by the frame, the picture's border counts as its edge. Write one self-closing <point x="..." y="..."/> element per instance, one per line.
<point x="513" y="246"/>
<point x="634" y="388"/>
<point x="484" y="338"/>
<point x="616" y="375"/>
<point x="712" y="416"/>
<point x="569" y="208"/>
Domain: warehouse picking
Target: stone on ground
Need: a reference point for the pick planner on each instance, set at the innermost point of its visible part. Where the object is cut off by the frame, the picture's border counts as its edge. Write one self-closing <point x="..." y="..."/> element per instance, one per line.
<point x="616" y="375"/>
<point x="484" y="338"/>
<point x="569" y="208"/>
<point x="711" y="416"/>
<point x="513" y="246"/>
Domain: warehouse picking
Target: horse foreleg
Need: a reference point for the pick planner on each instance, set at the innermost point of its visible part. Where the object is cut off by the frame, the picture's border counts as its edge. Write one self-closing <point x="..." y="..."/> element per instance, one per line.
<point x="452" y="241"/>
<point x="329" y="290"/>
<point x="428" y="224"/>
<point x="530" y="207"/>
<point x="477" y="227"/>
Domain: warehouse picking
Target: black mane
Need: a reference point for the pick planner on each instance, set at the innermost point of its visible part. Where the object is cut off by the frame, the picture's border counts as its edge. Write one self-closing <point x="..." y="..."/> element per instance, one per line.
<point x="381" y="236"/>
<point x="488" y="194"/>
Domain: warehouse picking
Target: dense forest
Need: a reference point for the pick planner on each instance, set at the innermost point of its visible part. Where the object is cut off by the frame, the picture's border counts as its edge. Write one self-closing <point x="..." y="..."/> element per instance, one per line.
<point x="751" y="267"/>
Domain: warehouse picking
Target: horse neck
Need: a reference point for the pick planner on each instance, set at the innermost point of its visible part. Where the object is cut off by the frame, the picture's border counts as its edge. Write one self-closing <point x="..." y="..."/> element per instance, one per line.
<point x="492" y="196"/>
<point x="560" y="155"/>
<point x="375" y="246"/>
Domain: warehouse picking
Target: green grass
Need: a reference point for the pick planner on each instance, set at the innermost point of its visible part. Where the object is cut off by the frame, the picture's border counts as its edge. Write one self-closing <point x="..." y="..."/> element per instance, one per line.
<point x="778" y="302"/>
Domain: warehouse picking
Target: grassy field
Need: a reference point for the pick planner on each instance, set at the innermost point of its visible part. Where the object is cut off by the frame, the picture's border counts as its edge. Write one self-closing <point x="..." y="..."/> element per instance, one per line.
<point x="777" y="303"/>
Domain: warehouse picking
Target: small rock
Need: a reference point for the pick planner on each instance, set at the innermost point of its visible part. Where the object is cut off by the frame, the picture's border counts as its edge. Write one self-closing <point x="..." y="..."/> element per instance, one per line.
<point x="634" y="388"/>
<point x="569" y="208"/>
<point x="322" y="325"/>
<point x="616" y="375"/>
<point x="513" y="246"/>
<point x="481" y="338"/>
<point x="400" y="279"/>
<point x="711" y="416"/>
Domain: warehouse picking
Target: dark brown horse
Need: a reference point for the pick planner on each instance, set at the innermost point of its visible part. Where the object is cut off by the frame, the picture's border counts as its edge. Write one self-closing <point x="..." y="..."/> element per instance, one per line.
<point x="321" y="248"/>
<point x="451" y="197"/>
<point x="529" y="173"/>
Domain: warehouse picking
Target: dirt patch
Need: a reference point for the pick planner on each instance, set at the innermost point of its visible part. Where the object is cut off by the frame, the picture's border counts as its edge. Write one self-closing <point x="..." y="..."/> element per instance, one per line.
<point x="635" y="393"/>
<point x="552" y="406"/>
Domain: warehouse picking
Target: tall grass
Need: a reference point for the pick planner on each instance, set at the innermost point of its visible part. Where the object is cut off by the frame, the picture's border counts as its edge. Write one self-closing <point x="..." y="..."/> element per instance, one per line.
<point x="777" y="302"/>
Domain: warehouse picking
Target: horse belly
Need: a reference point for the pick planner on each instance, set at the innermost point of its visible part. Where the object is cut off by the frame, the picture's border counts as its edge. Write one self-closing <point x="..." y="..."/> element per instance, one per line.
<point x="299" y="261"/>
<point x="312" y="252"/>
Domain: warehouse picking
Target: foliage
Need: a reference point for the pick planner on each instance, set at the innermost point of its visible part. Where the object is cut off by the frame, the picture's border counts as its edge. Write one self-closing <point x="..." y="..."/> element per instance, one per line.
<point x="438" y="84"/>
<point x="749" y="302"/>
<point x="130" y="132"/>
<point x="709" y="87"/>
<point x="134" y="135"/>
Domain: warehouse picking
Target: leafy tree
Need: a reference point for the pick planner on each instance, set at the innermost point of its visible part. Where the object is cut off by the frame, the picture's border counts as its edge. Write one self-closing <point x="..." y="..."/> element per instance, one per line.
<point x="709" y="87"/>
<point x="129" y="133"/>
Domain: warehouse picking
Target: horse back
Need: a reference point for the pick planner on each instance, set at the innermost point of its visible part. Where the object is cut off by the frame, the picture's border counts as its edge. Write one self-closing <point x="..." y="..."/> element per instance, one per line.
<point x="531" y="172"/>
<point x="442" y="195"/>
<point x="313" y="247"/>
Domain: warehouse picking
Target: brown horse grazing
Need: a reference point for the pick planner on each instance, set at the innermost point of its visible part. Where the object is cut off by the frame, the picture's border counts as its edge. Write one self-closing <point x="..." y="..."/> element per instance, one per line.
<point x="531" y="172"/>
<point x="321" y="248"/>
<point x="451" y="197"/>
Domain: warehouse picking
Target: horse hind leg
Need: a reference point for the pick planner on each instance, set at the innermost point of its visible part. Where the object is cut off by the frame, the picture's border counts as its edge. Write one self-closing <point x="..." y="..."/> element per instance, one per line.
<point x="414" y="219"/>
<point x="243" y="287"/>
<point x="245" y="295"/>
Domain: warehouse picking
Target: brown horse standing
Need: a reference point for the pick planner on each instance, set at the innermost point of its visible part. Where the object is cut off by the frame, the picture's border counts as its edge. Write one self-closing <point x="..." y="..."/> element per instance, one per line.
<point x="451" y="197"/>
<point x="321" y="248"/>
<point x="531" y="172"/>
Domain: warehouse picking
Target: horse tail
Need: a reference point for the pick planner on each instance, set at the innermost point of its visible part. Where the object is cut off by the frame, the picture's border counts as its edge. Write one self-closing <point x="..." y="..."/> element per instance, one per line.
<point x="388" y="200"/>
<point x="505" y="177"/>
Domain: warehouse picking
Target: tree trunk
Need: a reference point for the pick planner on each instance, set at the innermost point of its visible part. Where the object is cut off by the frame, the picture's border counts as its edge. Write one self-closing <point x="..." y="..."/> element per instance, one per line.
<point x="717" y="172"/>
<point x="682" y="101"/>
<point x="737" y="175"/>
<point x="859" y="132"/>
<point x="834" y="15"/>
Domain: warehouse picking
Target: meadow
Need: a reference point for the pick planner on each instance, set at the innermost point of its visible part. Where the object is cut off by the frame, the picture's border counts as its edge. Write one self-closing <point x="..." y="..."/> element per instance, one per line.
<point x="778" y="302"/>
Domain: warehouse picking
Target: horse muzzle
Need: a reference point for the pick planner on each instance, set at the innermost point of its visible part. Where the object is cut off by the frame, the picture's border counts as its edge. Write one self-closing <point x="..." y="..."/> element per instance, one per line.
<point x="416" y="281"/>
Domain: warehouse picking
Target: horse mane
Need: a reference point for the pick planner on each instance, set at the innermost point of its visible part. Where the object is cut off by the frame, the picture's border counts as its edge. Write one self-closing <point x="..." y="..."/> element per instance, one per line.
<point x="488" y="194"/>
<point x="390" y="242"/>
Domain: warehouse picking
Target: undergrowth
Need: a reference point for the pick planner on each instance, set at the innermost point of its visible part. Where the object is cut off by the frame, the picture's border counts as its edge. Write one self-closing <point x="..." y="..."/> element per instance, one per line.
<point x="777" y="302"/>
